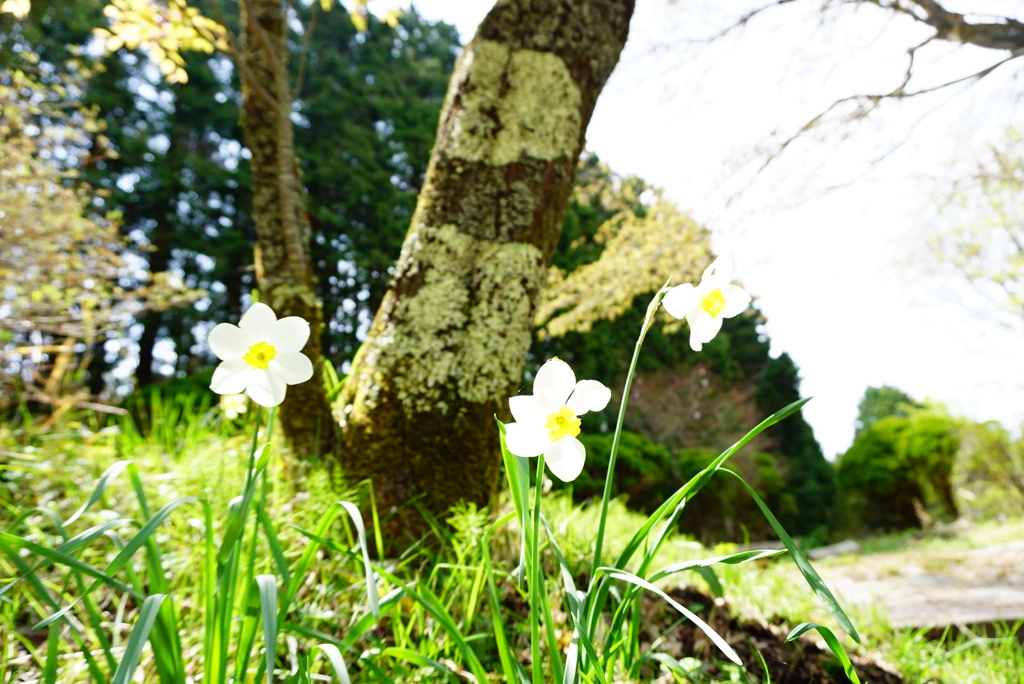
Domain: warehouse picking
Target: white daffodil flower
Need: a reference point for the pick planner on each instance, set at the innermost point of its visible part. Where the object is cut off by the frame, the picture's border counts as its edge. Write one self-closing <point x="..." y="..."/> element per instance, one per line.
<point x="233" y="405"/>
<point x="260" y="356"/>
<point x="547" y="422"/>
<point x="705" y="307"/>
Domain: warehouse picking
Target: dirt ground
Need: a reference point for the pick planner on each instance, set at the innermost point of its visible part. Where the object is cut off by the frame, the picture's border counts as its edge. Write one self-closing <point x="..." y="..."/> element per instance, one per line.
<point x="934" y="588"/>
<point x="965" y="589"/>
<point x="797" y="662"/>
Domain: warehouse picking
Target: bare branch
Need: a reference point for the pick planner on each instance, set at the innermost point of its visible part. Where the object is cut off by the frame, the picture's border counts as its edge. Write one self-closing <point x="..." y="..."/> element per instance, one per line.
<point x="868" y="103"/>
<point x="740" y="22"/>
<point x="1007" y="34"/>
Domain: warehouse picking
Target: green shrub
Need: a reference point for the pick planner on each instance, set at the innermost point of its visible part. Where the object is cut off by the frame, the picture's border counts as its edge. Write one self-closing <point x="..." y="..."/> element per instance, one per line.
<point x="647" y="474"/>
<point x="878" y="482"/>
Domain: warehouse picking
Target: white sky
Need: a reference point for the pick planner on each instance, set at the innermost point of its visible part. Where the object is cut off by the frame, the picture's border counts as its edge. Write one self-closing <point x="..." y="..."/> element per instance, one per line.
<point x="833" y="271"/>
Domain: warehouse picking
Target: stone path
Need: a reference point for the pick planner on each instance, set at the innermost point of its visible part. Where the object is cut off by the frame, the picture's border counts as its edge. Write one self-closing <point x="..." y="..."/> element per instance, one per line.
<point x="933" y="589"/>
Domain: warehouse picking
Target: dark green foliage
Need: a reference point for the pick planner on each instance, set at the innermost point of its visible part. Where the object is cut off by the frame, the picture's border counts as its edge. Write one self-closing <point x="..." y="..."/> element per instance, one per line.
<point x="882" y="402"/>
<point x="369" y="106"/>
<point x="366" y="114"/>
<point x="735" y="379"/>
<point x="899" y="466"/>
<point x="50" y="29"/>
<point x="879" y="485"/>
<point x="723" y="510"/>
<point x="183" y="194"/>
<point x="648" y="474"/>
<point x="930" y="446"/>
<point x="644" y="471"/>
<point x="808" y="476"/>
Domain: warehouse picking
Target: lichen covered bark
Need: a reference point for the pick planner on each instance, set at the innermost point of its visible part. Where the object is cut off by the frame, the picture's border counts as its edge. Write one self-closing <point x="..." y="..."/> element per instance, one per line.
<point x="282" y="261"/>
<point x="447" y="346"/>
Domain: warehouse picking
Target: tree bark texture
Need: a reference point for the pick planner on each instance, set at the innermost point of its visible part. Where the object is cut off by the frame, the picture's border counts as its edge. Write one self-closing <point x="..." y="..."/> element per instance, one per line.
<point x="447" y="346"/>
<point x="282" y="260"/>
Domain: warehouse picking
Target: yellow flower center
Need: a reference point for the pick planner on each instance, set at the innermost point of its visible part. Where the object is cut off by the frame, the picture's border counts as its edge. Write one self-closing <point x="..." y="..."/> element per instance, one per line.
<point x="260" y="355"/>
<point x="561" y="423"/>
<point x="713" y="303"/>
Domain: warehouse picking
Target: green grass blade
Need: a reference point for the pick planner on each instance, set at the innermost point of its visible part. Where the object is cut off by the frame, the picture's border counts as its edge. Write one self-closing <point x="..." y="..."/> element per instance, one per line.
<point x="133" y="649"/>
<point x="55" y="520"/>
<point x="67" y="547"/>
<point x="371" y="582"/>
<point x="145" y="533"/>
<point x="101" y="485"/>
<point x="711" y="578"/>
<point x="517" y="473"/>
<point x="42" y="595"/>
<point x="52" y="644"/>
<point x="508" y="665"/>
<point x="276" y="550"/>
<point x="764" y="666"/>
<point x="703" y="626"/>
<point x="125" y="554"/>
<point x="833" y="644"/>
<point x="804" y="565"/>
<point x="333" y="655"/>
<point x="70" y="561"/>
<point x="364" y="657"/>
<point x="731" y="559"/>
<point x="267" y="586"/>
<point x="670" y="509"/>
<point x="433" y="606"/>
<point x="673" y="666"/>
<point x="168" y="657"/>
<point x="417" y="659"/>
<point x="577" y="605"/>
<point x="698" y="482"/>
<point x="299" y="571"/>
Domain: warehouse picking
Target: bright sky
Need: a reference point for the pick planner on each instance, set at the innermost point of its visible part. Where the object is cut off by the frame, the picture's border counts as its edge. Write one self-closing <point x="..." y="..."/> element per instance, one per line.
<point x="836" y="272"/>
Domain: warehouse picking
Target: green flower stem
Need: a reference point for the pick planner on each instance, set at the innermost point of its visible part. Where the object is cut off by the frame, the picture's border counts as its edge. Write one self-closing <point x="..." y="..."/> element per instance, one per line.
<point x="253" y="447"/>
<point x="537" y="594"/>
<point x="227" y="579"/>
<point x="652" y="308"/>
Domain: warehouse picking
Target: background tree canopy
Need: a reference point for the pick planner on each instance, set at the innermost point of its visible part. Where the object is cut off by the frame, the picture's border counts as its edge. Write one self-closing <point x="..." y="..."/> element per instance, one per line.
<point x="168" y="160"/>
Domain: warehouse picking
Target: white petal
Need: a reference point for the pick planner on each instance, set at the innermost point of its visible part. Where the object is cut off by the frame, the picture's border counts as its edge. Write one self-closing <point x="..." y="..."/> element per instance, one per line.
<point x="565" y="458"/>
<point x="289" y="334"/>
<point x="230" y="377"/>
<point x="720" y="269"/>
<point x="525" y="440"/>
<point x="589" y="395"/>
<point x="680" y="300"/>
<point x="527" y="409"/>
<point x="736" y="301"/>
<point x="228" y="341"/>
<point x="291" y="367"/>
<point x="265" y="389"/>
<point x="554" y="383"/>
<point x="707" y="326"/>
<point x="695" y="344"/>
<point x="258" y="322"/>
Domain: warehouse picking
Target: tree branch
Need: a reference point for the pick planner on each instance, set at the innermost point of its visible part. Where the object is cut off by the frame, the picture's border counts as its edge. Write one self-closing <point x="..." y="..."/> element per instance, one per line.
<point x="1007" y="34"/>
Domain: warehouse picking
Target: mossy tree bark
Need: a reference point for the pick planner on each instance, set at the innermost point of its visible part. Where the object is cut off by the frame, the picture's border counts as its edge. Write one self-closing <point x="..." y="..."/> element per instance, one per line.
<point x="448" y="344"/>
<point x="282" y="259"/>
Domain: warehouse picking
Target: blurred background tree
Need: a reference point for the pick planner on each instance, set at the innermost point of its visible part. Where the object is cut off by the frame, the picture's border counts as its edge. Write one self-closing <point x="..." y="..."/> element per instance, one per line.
<point x="981" y="239"/>
<point x="619" y="239"/>
<point x="882" y="402"/>
<point x="63" y="266"/>
<point x="171" y="162"/>
<point x="899" y="472"/>
<point x="989" y="472"/>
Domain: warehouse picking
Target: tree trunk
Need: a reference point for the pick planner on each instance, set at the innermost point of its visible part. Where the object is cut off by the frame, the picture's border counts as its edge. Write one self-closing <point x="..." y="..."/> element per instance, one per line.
<point x="282" y="233"/>
<point x="447" y="346"/>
